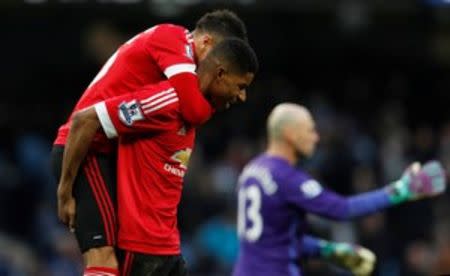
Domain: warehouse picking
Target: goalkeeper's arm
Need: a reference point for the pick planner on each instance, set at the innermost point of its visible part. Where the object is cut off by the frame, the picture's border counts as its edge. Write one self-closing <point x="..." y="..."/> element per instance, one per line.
<point x="357" y="259"/>
<point x="414" y="184"/>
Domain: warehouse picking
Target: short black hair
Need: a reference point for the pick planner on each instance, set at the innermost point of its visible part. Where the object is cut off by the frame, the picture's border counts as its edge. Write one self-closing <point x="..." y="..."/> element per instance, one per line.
<point x="238" y="54"/>
<point x="224" y="23"/>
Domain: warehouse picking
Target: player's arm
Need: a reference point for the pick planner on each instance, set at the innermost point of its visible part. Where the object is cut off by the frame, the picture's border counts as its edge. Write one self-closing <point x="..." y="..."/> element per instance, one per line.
<point x="84" y="125"/>
<point x="114" y="116"/>
<point x="357" y="259"/>
<point x="194" y="108"/>
<point x="171" y="50"/>
<point x="414" y="184"/>
<point x="141" y="112"/>
<point x="144" y="111"/>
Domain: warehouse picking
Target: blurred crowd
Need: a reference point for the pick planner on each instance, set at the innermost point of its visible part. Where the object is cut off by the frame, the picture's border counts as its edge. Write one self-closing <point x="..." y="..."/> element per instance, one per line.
<point x="372" y="124"/>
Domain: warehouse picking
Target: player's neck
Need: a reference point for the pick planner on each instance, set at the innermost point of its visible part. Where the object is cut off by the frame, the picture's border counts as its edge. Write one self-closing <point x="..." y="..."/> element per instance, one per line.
<point x="199" y="51"/>
<point x="205" y="77"/>
<point x="283" y="151"/>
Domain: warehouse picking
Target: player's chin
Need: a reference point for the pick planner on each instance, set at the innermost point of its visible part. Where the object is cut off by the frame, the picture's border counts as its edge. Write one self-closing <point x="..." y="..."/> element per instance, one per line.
<point x="211" y="101"/>
<point x="308" y="152"/>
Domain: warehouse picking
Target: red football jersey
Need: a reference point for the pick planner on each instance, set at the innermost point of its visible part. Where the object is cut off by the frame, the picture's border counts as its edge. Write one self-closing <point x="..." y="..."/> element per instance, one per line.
<point x="148" y="58"/>
<point x="153" y="154"/>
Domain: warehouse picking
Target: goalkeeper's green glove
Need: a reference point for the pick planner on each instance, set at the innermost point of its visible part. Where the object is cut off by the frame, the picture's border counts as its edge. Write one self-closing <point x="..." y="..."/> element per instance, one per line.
<point x="357" y="259"/>
<point x="418" y="182"/>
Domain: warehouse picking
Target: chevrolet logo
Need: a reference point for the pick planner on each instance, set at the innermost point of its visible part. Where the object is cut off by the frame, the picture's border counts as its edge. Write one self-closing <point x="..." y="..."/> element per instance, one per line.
<point x="182" y="156"/>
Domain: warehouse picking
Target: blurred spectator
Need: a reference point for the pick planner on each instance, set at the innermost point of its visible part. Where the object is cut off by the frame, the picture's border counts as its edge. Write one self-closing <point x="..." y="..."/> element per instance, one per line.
<point x="66" y="258"/>
<point x="16" y="258"/>
<point x="217" y="243"/>
<point x="101" y="40"/>
<point x="419" y="259"/>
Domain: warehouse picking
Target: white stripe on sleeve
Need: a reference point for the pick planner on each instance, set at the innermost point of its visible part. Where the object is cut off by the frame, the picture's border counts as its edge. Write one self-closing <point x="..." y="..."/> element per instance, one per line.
<point x="105" y="120"/>
<point x="159" y="100"/>
<point x="160" y="94"/>
<point x="179" y="68"/>
<point x="173" y="100"/>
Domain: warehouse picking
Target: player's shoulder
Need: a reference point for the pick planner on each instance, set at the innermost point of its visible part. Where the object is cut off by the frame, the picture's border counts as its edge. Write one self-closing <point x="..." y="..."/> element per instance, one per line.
<point x="297" y="175"/>
<point x="170" y="32"/>
<point x="299" y="180"/>
<point x="168" y="27"/>
<point x="155" y="87"/>
<point x="277" y="168"/>
<point x="261" y="171"/>
<point x="160" y="97"/>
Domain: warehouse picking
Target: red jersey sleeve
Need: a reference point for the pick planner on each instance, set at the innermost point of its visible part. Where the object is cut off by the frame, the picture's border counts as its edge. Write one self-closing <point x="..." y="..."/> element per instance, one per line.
<point x="171" y="47"/>
<point x="142" y="111"/>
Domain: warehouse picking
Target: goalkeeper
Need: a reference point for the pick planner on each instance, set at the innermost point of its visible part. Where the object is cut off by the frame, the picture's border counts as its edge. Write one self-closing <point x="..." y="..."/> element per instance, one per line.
<point x="274" y="198"/>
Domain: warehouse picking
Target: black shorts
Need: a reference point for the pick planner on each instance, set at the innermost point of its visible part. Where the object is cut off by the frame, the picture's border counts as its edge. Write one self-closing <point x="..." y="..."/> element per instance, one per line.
<point x="94" y="191"/>
<point x="136" y="264"/>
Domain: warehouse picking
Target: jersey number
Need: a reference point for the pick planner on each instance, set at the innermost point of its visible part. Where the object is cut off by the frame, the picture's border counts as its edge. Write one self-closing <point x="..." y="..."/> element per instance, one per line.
<point x="251" y="212"/>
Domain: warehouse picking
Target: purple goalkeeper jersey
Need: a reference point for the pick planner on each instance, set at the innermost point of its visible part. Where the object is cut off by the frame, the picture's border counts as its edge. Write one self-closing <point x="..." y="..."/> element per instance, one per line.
<point x="273" y="199"/>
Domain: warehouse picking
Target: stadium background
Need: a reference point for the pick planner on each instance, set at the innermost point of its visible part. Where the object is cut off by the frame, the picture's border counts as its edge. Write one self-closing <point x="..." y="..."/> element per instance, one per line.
<point x="374" y="73"/>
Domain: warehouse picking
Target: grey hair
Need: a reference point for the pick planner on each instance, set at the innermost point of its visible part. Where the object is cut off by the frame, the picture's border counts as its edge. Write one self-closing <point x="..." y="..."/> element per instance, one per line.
<point x="282" y="115"/>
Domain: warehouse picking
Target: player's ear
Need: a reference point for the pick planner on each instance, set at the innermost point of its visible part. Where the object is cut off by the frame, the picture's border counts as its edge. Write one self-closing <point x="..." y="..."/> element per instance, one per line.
<point x="207" y="41"/>
<point x="220" y="71"/>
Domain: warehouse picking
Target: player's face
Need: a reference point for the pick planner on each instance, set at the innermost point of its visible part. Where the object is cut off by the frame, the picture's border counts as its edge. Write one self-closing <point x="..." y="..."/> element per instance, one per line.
<point x="306" y="137"/>
<point x="229" y="88"/>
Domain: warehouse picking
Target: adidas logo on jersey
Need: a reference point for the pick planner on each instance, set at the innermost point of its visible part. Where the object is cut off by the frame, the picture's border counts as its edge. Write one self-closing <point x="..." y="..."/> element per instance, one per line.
<point x="97" y="237"/>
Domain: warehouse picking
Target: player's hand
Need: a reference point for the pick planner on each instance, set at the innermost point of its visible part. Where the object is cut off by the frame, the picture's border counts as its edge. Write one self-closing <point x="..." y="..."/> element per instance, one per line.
<point x="358" y="260"/>
<point x="418" y="182"/>
<point x="66" y="209"/>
